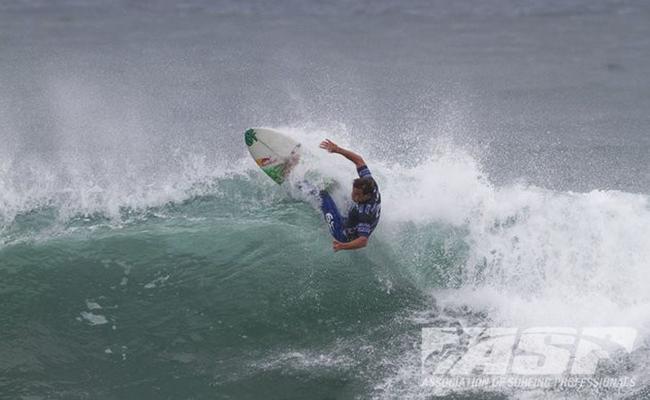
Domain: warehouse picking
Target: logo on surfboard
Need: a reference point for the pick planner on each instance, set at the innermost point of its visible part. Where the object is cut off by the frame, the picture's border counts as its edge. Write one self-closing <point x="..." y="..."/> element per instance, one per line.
<point x="264" y="161"/>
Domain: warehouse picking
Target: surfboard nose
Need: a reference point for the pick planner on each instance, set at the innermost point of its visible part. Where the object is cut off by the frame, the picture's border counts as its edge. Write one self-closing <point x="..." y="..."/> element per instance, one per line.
<point x="273" y="151"/>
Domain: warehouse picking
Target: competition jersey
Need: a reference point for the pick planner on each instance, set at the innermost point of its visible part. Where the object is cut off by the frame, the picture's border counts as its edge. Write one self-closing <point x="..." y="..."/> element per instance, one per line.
<point x="363" y="217"/>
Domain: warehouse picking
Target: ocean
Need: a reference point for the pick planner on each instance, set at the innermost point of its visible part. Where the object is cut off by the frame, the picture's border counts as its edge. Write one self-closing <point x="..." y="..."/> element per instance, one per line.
<point x="143" y="255"/>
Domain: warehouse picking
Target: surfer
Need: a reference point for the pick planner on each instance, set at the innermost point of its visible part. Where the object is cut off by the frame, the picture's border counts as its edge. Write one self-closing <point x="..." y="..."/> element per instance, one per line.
<point x="352" y="233"/>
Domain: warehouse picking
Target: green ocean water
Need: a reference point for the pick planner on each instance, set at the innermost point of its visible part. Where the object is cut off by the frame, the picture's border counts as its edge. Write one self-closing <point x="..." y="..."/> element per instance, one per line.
<point x="234" y="294"/>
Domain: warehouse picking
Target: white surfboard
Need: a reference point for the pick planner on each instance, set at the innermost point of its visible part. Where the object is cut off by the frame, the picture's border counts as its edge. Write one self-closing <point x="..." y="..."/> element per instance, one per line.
<point x="273" y="151"/>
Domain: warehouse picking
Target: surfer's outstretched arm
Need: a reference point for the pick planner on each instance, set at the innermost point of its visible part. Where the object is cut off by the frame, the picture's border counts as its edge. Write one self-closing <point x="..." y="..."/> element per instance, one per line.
<point x="334" y="148"/>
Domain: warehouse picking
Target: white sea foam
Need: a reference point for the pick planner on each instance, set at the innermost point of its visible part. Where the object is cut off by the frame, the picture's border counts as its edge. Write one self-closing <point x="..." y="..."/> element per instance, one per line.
<point x="94" y="319"/>
<point x="534" y="256"/>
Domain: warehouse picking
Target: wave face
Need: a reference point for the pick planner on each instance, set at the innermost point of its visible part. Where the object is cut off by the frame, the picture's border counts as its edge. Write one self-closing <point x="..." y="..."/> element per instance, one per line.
<point x="144" y="255"/>
<point x="229" y="266"/>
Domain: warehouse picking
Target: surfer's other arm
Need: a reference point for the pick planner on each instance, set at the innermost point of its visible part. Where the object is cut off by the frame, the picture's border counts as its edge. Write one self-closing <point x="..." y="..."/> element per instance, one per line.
<point x="357" y="243"/>
<point x="334" y="148"/>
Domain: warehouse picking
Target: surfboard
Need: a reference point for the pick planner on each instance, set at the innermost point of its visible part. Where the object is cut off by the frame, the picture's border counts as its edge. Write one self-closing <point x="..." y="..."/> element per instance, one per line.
<point x="273" y="151"/>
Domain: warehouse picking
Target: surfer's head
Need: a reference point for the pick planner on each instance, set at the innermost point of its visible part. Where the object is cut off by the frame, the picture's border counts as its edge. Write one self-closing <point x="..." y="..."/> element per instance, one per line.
<point x="362" y="189"/>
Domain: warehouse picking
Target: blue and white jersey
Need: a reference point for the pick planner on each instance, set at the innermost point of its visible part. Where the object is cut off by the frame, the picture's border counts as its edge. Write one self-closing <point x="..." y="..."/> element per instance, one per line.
<point x="364" y="217"/>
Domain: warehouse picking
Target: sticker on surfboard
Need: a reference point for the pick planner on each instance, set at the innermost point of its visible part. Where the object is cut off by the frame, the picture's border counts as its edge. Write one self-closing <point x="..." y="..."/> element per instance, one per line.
<point x="273" y="151"/>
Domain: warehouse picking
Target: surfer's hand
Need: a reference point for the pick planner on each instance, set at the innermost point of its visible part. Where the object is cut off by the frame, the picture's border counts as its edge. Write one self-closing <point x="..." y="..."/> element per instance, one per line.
<point x="329" y="146"/>
<point x="336" y="245"/>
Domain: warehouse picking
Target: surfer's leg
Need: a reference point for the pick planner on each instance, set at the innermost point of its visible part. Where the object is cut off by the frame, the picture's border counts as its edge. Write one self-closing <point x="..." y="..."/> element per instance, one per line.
<point x="332" y="217"/>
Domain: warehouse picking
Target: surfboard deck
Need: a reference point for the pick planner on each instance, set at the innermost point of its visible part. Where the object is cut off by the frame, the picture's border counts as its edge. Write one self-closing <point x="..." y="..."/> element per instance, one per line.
<point x="273" y="151"/>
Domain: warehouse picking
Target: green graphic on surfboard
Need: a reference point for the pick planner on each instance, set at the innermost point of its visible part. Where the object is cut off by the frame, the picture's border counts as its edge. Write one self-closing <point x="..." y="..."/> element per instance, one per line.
<point x="249" y="137"/>
<point x="273" y="151"/>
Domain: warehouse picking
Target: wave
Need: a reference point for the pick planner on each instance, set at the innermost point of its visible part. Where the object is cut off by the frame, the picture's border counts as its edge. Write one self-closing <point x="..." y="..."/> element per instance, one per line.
<point x="557" y="256"/>
<point x="514" y="255"/>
